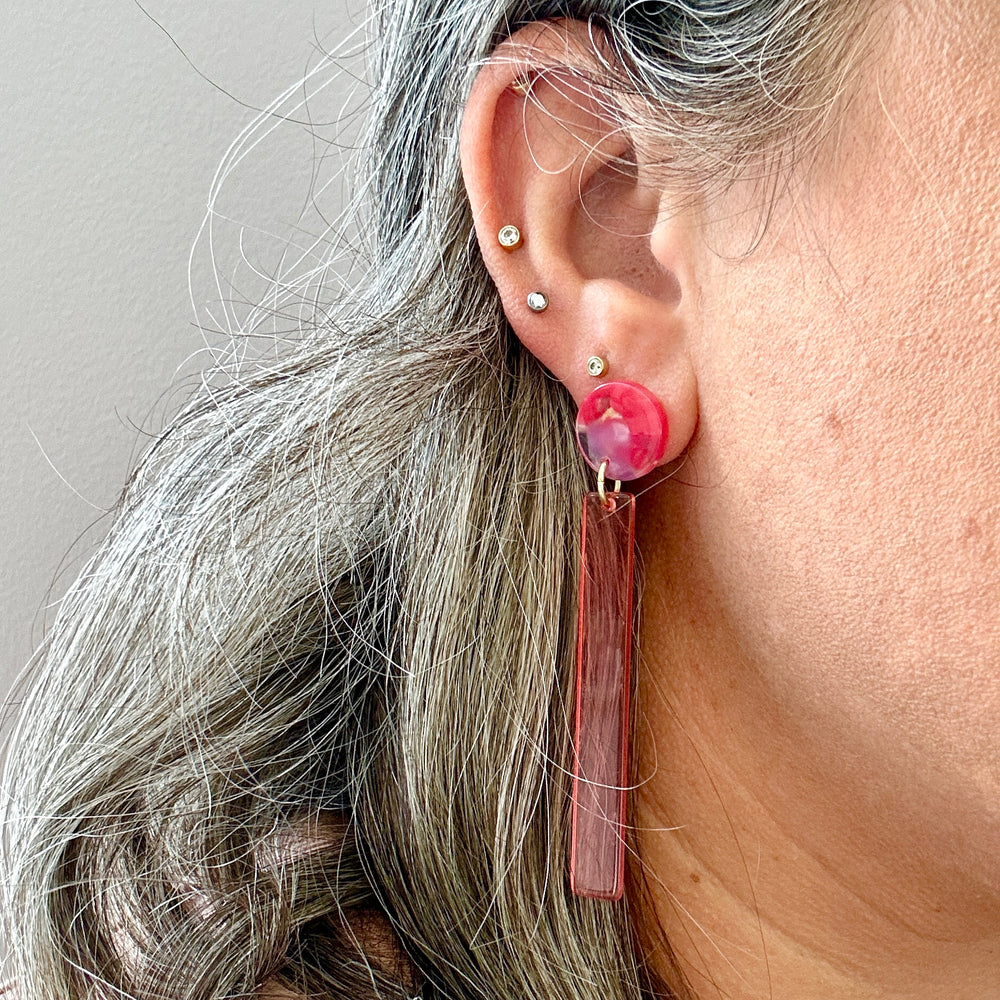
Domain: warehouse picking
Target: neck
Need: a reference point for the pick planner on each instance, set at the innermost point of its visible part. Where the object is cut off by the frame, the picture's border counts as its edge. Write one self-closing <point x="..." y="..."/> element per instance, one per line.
<point x="786" y="856"/>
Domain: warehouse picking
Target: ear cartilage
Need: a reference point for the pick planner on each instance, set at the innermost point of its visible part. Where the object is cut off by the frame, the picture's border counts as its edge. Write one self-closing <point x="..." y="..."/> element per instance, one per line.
<point x="597" y="366"/>
<point x="537" y="302"/>
<point x="509" y="238"/>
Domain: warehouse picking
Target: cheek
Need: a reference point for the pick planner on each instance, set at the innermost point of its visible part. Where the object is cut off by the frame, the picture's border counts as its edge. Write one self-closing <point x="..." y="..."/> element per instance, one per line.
<point x="852" y="486"/>
<point x="849" y="456"/>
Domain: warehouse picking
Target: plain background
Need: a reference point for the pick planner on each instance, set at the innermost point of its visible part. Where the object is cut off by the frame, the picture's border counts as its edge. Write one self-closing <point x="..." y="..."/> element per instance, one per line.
<point x="111" y="131"/>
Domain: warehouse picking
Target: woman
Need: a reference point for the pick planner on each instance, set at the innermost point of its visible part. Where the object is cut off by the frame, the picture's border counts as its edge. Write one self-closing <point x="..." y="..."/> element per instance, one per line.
<point x="303" y="727"/>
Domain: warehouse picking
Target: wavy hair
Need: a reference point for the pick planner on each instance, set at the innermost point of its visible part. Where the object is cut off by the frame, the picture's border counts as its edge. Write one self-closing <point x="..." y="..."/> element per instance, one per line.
<point x="301" y="725"/>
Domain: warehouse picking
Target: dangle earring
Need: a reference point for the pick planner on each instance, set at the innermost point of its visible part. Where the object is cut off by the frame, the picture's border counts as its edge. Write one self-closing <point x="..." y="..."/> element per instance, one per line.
<point x="622" y="431"/>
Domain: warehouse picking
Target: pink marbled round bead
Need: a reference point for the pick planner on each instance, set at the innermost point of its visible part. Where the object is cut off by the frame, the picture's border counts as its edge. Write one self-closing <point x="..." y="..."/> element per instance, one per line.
<point x="624" y="424"/>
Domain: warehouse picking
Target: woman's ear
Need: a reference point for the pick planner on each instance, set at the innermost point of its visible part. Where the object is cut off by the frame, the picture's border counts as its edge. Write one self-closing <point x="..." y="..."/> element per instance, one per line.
<point x="612" y="253"/>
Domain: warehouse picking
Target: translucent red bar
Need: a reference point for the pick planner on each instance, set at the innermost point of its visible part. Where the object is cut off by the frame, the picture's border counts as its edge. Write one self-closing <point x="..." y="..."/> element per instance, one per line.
<point x="604" y="653"/>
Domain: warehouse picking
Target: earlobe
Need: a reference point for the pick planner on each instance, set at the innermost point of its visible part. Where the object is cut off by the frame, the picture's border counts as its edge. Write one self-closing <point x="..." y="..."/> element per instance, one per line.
<point x="544" y="151"/>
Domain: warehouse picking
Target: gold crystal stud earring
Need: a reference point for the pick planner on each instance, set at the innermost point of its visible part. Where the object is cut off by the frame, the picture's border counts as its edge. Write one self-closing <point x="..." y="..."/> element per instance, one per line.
<point x="509" y="237"/>
<point x="597" y="366"/>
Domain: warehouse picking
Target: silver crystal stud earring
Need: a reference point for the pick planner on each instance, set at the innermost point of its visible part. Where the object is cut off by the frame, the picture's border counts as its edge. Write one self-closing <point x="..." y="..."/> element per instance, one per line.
<point x="537" y="302"/>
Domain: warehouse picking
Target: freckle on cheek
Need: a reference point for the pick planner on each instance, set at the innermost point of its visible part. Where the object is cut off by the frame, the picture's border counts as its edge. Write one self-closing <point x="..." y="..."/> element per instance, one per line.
<point x="833" y="425"/>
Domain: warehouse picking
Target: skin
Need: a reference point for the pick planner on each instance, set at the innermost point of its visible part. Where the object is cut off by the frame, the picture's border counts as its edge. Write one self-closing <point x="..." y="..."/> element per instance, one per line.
<point x="819" y="681"/>
<point x="824" y="693"/>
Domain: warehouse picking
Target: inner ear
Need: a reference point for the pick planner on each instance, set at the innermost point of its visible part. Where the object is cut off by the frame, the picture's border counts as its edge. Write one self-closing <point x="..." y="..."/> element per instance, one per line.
<point x="612" y="228"/>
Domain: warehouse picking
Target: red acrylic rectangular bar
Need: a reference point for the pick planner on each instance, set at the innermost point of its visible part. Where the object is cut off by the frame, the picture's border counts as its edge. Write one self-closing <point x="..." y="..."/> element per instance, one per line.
<point x="603" y="662"/>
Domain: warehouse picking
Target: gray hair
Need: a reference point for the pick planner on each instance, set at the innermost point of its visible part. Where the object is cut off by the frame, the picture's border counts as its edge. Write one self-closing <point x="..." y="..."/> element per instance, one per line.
<point x="303" y="718"/>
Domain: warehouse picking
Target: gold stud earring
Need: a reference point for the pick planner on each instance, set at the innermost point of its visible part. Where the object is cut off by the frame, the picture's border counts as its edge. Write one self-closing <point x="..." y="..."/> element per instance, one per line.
<point x="521" y="84"/>
<point x="597" y="366"/>
<point x="509" y="237"/>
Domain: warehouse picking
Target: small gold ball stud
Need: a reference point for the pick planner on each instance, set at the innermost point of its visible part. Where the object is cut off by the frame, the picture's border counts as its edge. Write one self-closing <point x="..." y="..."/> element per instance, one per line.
<point x="521" y="85"/>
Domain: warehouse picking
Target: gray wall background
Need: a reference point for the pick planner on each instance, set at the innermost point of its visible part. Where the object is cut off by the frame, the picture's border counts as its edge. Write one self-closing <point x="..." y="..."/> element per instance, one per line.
<point x="109" y="140"/>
